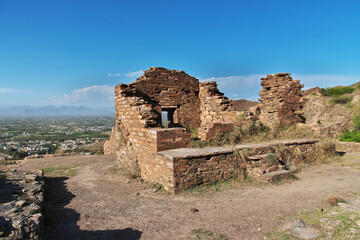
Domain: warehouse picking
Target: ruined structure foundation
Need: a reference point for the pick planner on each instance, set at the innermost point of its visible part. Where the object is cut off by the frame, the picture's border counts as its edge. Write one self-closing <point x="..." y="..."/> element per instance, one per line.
<point x="154" y="114"/>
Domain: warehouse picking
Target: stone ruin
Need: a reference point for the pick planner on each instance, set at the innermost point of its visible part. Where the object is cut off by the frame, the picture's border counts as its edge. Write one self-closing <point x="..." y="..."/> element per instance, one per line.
<point x="152" y="113"/>
<point x="281" y="101"/>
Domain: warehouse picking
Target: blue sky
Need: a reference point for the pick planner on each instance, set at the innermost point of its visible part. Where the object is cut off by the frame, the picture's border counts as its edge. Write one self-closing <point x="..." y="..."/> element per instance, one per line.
<point x="74" y="52"/>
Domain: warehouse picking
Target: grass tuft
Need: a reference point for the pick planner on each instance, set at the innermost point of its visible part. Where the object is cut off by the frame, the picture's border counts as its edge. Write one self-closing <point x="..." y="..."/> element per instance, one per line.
<point x="60" y="171"/>
<point x="340" y="100"/>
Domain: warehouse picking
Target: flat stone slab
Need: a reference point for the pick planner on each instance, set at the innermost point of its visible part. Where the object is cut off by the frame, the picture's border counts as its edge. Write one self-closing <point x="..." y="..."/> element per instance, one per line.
<point x="203" y="152"/>
<point x="291" y="224"/>
<point x="305" y="233"/>
<point x="257" y="157"/>
<point x="271" y="176"/>
<point x="194" y="152"/>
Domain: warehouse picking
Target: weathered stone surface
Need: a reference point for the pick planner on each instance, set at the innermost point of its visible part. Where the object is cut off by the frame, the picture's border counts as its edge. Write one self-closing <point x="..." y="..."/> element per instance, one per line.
<point x="139" y="135"/>
<point x="281" y="100"/>
<point x="158" y="153"/>
<point x="305" y="233"/>
<point x="192" y="167"/>
<point x="21" y="207"/>
<point x="291" y="224"/>
<point x="217" y="112"/>
<point x="276" y="175"/>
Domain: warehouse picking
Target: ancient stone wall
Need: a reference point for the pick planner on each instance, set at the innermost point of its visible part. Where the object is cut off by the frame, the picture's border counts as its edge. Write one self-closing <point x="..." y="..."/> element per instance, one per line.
<point x="137" y="135"/>
<point x="281" y="101"/>
<point x="217" y="113"/>
<point x="172" y="89"/>
<point x="192" y="167"/>
<point x="157" y="154"/>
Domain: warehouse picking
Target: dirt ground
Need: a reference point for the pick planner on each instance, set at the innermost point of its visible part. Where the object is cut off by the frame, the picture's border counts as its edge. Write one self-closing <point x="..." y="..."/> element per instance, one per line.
<point x="97" y="202"/>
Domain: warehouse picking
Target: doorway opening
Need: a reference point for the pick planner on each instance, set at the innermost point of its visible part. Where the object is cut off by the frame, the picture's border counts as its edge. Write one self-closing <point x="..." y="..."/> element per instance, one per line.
<point x="167" y="117"/>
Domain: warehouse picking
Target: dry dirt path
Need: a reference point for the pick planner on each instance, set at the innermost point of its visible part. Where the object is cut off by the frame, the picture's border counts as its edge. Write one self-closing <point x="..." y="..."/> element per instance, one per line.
<point x="96" y="203"/>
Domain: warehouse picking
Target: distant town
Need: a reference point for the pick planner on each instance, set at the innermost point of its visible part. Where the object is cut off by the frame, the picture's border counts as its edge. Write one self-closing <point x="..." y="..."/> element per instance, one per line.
<point x="23" y="137"/>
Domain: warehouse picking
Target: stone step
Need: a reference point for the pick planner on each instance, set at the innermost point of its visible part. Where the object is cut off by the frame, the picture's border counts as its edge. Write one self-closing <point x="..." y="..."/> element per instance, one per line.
<point x="276" y="175"/>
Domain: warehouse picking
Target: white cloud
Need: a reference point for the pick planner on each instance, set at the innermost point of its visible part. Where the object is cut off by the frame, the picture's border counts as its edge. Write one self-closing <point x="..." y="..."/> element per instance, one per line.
<point x="114" y="74"/>
<point x="248" y="80"/>
<point x="97" y="95"/>
<point x="129" y="75"/>
<point x="10" y="90"/>
<point x="134" y="74"/>
<point x="238" y="87"/>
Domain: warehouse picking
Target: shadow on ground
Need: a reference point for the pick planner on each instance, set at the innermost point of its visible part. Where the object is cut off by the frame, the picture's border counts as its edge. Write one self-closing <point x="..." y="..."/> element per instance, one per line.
<point x="9" y="189"/>
<point x="61" y="223"/>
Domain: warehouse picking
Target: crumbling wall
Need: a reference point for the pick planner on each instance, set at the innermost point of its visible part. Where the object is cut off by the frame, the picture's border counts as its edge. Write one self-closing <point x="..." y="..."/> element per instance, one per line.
<point x="172" y="89"/>
<point x="138" y="136"/>
<point x="217" y="113"/>
<point x="142" y="145"/>
<point x="281" y="101"/>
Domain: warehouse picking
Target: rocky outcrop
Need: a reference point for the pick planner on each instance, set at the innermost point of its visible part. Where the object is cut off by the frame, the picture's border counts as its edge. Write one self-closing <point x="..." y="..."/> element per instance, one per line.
<point x="21" y="203"/>
<point x="322" y="116"/>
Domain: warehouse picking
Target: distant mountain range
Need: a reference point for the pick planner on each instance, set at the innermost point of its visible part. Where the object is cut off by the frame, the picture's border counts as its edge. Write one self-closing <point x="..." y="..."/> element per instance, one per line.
<point x="53" y="111"/>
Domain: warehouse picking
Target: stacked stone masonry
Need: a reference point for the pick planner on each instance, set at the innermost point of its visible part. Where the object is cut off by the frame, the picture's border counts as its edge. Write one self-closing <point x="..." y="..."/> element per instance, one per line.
<point x="192" y="167"/>
<point x="138" y="133"/>
<point x="145" y="144"/>
<point x="217" y="113"/>
<point x="281" y="101"/>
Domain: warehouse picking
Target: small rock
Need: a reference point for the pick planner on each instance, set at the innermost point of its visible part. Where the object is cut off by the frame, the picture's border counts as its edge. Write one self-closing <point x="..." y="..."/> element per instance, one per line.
<point x="194" y="210"/>
<point x="137" y="194"/>
<point x="36" y="217"/>
<point x="291" y="224"/>
<point x="6" y="206"/>
<point x="20" y="203"/>
<point x="30" y="177"/>
<point x="40" y="173"/>
<point x="305" y="233"/>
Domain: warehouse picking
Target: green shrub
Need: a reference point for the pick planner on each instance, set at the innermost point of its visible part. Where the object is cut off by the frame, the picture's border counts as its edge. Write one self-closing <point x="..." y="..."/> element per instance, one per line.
<point x="336" y="91"/>
<point x="354" y="134"/>
<point x="348" y="136"/>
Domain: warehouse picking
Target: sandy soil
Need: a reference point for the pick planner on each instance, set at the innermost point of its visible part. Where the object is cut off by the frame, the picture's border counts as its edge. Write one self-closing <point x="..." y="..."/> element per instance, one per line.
<point x="97" y="203"/>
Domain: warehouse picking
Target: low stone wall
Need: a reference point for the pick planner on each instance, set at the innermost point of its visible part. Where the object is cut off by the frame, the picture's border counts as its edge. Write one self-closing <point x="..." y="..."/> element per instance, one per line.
<point x="192" y="167"/>
<point x="21" y="204"/>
